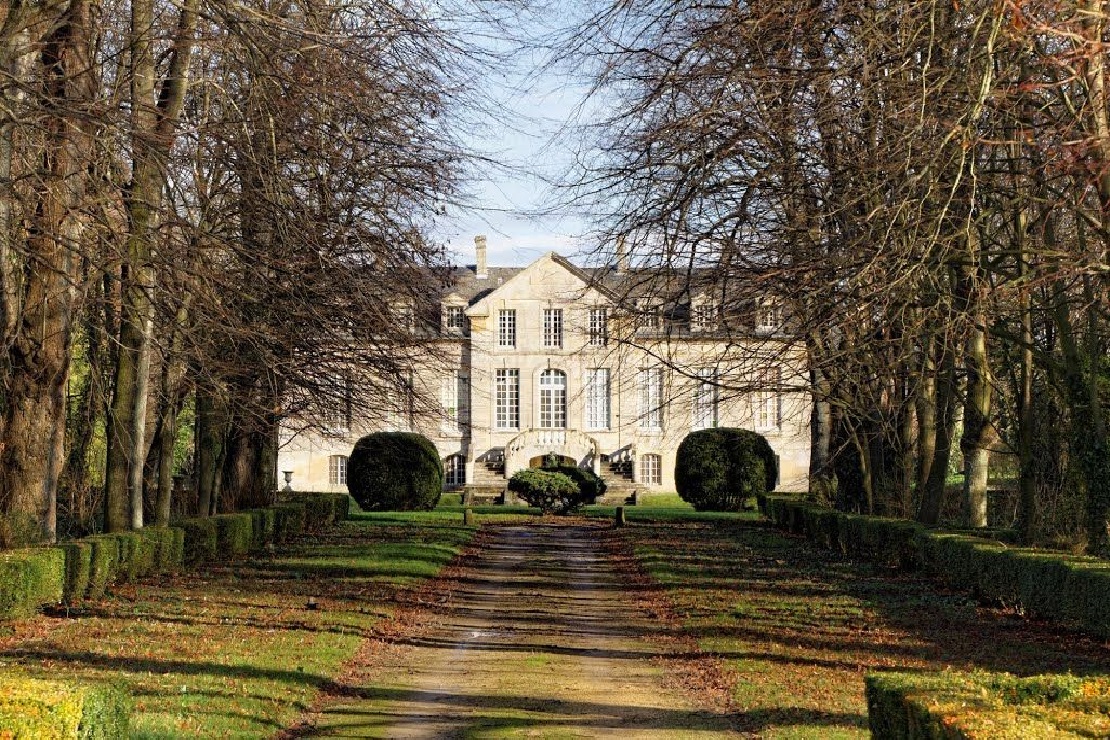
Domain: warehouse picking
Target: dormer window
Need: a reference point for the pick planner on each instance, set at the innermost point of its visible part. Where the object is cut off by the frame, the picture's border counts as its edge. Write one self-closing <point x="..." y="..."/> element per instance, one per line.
<point x="651" y="316"/>
<point x="454" y="319"/>
<point x="768" y="318"/>
<point x="703" y="317"/>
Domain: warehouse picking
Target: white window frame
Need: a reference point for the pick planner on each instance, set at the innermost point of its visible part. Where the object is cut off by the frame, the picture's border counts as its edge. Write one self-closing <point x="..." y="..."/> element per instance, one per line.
<point x="454" y="396"/>
<point x="553" y="328"/>
<point x="454" y="471"/>
<point x="454" y="317"/>
<point x="651" y="317"/>
<point x="706" y="399"/>
<point x="599" y="327"/>
<point x="651" y="470"/>
<point x="651" y="398"/>
<point x="598" y="411"/>
<point x="767" y="401"/>
<point x="337" y="470"/>
<point x="337" y="410"/>
<point x="768" y="317"/>
<point x="506" y="327"/>
<point x="704" y="318"/>
<point x="506" y="412"/>
<point x="553" y="399"/>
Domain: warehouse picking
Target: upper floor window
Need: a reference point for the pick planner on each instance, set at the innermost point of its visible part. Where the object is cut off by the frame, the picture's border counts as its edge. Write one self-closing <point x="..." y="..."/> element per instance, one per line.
<point x="336" y="398"/>
<point x="506" y="327"/>
<point x="651" y="398"/>
<point x="454" y="318"/>
<point x="705" y="399"/>
<point x="553" y="327"/>
<point x="703" y="317"/>
<point x="651" y="317"/>
<point x="337" y="470"/>
<point x="506" y="401"/>
<point x="599" y="327"/>
<point x="553" y="399"/>
<point x="768" y="317"/>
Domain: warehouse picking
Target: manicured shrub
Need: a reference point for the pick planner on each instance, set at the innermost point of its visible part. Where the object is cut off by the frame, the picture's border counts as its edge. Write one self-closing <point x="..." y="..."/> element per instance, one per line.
<point x="719" y="469"/>
<point x="590" y="485"/>
<point x="104" y="564"/>
<point x="200" y="539"/>
<point x="548" y="492"/>
<point x="35" y="708"/>
<point x="234" y="535"/>
<point x="78" y="570"/>
<point x="342" y="507"/>
<point x="289" y="521"/>
<point x="263" y="522"/>
<point x="167" y="555"/>
<point x="938" y="706"/>
<point x="395" y="471"/>
<point x="136" y="556"/>
<point x="29" y="580"/>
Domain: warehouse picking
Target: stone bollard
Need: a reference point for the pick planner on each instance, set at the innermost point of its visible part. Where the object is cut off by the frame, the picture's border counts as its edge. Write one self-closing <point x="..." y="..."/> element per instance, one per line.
<point x="468" y="517"/>
<point x="618" y="517"/>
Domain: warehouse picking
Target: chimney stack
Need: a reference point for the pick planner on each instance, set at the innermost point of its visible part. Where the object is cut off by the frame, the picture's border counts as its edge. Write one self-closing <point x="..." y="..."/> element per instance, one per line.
<point x="480" y="269"/>
<point x="621" y="262"/>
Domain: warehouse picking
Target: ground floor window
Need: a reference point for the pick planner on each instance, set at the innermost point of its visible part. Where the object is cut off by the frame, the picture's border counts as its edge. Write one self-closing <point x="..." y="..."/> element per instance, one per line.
<point x="337" y="470"/>
<point x="651" y="470"/>
<point x="454" y="469"/>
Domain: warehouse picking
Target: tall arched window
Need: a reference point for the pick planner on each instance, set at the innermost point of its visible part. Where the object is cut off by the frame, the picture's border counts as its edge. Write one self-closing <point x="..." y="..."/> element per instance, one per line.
<point x="454" y="468"/>
<point x="553" y="399"/>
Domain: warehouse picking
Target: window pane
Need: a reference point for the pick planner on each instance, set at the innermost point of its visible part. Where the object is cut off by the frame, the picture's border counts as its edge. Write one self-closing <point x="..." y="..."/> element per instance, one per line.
<point x="597" y="398"/>
<point x="651" y="398"/>
<point x="553" y="399"/>
<point x="705" y="399"/>
<point x="599" y="327"/>
<point x="337" y="470"/>
<point x="507" y="399"/>
<point x="506" y="328"/>
<point x="553" y="327"/>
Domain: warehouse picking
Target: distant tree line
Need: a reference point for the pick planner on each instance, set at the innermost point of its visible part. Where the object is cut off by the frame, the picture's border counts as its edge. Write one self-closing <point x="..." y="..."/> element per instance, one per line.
<point x="926" y="187"/>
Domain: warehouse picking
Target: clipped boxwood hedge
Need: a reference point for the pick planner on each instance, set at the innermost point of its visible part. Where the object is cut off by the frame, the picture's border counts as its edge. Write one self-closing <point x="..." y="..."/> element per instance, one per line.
<point x="31" y="579"/>
<point x="720" y="469"/>
<point x="36" y="708"/>
<point x="78" y="557"/>
<point x="290" y="521"/>
<point x="395" y="471"/>
<point x="200" y="539"/>
<point x="1069" y="589"/>
<point x="986" y="706"/>
<point x="103" y="564"/>
<point x="234" y="534"/>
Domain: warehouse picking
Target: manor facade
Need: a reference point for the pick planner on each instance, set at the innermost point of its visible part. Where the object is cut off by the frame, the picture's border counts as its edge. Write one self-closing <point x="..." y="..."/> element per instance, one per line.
<point x="550" y="359"/>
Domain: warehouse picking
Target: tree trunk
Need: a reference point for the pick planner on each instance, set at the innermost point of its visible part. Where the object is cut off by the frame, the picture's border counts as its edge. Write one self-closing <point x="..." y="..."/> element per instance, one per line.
<point x="211" y="430"/>
<point x="932" y="497"/>
<point x="820" y="463"/>
<point x="926" y="403"/>
<point x="978" y="432"/>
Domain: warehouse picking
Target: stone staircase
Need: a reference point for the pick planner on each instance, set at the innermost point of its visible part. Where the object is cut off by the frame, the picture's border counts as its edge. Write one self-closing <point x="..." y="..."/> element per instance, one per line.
<point x="619" y="488"/>
<point x="488" y="486"/>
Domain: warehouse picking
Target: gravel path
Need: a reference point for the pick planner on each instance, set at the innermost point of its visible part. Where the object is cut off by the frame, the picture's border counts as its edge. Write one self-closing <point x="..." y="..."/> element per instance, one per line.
<point x="541" y="639"/>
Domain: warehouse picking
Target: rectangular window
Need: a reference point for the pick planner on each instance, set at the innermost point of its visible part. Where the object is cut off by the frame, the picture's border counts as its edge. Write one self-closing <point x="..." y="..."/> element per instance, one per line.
<point x="768" y="399"/>
<point x="768" y="318"/>
<point x="506" y="328"/>
<point x="336" y="396"/>
<point x="553" y="327"/>
<point x="597" y="398"/>
<point x="507" y="399"/>
<point x="704" y="317"/>
<point x="651" y="398"/>
<point x="651" y="470"/>
<point x="705" y="399"/>
<point x="337" y="470"/>
<point x="454" y="395"/>
<point x="454" y="318"/>
<point x="651" y="317"/>
<point x="599" y="327"/>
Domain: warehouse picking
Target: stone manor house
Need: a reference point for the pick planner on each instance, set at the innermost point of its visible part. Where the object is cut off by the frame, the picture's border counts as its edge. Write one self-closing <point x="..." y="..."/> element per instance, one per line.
<point x="544" y="359"/>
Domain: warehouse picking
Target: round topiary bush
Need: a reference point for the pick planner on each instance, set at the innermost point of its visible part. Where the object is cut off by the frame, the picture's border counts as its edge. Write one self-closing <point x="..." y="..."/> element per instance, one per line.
<point x="590" y="485"/>
<point x="719" y="469"/>
<point x="395" y="471"/>
<point x="548" y="492"/>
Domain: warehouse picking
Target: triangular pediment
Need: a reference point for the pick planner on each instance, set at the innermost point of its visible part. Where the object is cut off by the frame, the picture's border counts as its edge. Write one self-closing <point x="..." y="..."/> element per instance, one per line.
<point x="552" y="278"/>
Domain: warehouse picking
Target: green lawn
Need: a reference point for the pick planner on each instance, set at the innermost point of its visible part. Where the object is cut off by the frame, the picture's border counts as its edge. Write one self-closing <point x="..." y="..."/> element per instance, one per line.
<point x="798" y="628"/>
<point x="232" y="650"/>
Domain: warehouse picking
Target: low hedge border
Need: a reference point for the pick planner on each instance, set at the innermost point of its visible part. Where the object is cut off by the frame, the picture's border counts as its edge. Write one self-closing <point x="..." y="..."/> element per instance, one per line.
<point x="986" y="706"/>
<point x="82" y="569"/>
<point x="37" y="708"/>
<point x="1069" y="589"/>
